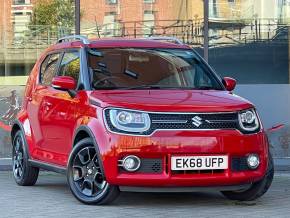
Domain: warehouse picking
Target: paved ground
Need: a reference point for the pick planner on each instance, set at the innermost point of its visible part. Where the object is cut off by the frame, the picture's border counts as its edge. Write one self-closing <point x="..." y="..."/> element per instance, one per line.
<point x="52" y="198"/>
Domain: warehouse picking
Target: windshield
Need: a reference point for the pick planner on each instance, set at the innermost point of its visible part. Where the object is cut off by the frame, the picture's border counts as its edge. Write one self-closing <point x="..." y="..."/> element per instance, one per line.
<point x="138" y="68"/>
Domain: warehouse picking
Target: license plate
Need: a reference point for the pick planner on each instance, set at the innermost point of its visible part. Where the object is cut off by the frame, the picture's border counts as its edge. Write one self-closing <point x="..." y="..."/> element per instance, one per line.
<point x="199" y="162"/>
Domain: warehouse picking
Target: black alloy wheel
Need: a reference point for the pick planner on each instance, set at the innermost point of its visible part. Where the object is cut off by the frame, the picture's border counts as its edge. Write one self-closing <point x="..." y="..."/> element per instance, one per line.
<point x="87" y="174"/>
<point x="86" y="177"/>
<point x="24" y="174"/>
<point x="18" y="161"/>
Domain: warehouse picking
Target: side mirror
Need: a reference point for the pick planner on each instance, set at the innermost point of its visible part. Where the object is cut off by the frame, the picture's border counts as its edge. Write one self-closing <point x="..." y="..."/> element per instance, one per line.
<point x="64" y="83"/>
<point x="229" y="83"/>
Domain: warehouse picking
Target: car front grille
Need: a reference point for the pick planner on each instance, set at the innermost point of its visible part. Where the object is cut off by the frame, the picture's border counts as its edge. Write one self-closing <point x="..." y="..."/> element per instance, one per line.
<point x="184" y="121"/>
<point x="194" y="121"/>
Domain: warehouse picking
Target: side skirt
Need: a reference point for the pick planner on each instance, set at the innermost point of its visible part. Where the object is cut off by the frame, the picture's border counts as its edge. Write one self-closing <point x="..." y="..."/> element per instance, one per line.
<point x="49" y="167"/>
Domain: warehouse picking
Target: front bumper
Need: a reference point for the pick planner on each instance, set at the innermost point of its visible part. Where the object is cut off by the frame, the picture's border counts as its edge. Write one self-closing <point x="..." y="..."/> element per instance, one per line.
<point x="163" y="144"/>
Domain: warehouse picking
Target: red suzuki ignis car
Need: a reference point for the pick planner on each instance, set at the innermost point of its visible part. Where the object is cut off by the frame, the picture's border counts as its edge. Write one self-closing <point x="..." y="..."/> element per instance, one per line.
<point x="137" y="115"/>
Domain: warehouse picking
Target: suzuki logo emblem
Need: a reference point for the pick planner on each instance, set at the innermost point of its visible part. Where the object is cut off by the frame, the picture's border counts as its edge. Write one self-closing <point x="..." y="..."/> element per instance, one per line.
<point x="197" y="121"/>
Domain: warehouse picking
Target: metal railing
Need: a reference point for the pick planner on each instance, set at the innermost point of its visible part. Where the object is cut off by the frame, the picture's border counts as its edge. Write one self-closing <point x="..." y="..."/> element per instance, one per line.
<point x="32" y="41"/>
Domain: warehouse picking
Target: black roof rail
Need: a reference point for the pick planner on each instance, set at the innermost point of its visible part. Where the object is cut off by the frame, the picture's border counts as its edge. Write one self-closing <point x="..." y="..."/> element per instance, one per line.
<point x="165" y="38"/>
<point x="83" y="39"/>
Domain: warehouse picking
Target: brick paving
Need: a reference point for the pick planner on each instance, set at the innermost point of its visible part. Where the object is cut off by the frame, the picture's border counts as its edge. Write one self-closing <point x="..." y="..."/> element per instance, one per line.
<point x="52" y="198"/>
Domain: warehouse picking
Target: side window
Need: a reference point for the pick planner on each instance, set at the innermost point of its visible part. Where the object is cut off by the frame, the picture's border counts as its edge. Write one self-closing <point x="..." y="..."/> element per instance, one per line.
<point x="70" y="65"/>
<point x="48" y="68"/>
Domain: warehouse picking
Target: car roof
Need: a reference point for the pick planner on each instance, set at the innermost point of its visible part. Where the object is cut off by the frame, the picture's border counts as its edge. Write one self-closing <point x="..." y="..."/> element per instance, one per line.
<point x="118" y="43"/>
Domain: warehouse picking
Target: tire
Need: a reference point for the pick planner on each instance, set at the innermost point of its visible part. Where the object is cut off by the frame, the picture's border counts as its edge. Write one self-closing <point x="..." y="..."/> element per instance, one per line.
<point x="257" y="189"/>
<point x="85" y="175"/>
<point x="24" y="174"/>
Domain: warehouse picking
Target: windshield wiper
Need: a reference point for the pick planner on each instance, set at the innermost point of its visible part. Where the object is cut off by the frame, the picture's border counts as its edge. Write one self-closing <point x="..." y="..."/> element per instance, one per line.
<point x="206" y="88"/>
<point x="151" y="87"/>
<point x="106" y="88"/>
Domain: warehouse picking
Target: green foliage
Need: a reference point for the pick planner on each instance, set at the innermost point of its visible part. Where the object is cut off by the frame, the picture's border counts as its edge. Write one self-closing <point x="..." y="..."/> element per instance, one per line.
<point x="53" y="13"/>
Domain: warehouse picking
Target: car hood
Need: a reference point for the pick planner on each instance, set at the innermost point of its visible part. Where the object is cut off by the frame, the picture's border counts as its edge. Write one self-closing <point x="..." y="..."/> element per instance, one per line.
<point x="170" y="100"/>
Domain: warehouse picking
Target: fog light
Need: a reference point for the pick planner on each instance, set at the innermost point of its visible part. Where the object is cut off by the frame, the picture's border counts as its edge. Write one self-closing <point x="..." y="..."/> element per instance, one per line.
<point x="253" y="161"/>
<point x="131" y="163"/>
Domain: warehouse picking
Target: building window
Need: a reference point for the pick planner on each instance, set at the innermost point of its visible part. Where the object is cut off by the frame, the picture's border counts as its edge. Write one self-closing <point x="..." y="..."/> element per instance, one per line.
<point x="111" y="2"/>
<point x="231" y="2"/>
<point x="21" y="2"/>
<point x="149" y="22"/>
<point x="149" y="1"/>
<point x="109" y="24"/>
<point x="213" y="8"/>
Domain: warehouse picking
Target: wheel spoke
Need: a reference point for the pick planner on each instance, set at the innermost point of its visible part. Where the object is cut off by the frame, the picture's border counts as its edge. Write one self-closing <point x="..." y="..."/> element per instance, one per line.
<point x="99" y="182"/>
<point x="20" y="164"/>
<point x="88" y="188"/>
<point x="77" y="173"/>
<point x="20" y="171"/>
<point x="15" y="165"/>
<point x="101" y="185"/>
<point x="95" y="159"/>
<point x="84" y="156"/>
<point x="17" y="145"/>
<point x="18" y="158"/>
<point x="17" y="172"/>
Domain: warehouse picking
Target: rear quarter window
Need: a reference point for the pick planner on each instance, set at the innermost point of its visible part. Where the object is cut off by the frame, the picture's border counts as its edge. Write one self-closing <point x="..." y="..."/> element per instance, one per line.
<point x="48" y="69"/>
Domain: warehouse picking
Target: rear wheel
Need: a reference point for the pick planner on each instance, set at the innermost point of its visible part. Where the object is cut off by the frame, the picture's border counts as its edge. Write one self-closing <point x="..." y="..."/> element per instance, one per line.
<point x="257" y="189"/>
<point x="86" y="177"/>
<point x="24" y="174"/>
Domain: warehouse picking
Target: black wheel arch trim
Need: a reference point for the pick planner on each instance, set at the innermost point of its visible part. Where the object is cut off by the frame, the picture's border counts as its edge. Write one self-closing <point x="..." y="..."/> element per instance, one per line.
<point x="19" y="124"/>
<point x="92" y="136"/>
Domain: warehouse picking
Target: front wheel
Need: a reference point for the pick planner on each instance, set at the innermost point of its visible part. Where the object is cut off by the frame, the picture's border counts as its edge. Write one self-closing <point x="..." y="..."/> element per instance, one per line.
<point x="86" y="177"/>
<point x="257" y="189"/>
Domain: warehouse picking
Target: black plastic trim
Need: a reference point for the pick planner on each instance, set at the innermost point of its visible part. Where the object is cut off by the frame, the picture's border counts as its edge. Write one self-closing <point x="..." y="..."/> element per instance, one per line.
<point x="182" y="189"/>
<point x="18" y="123"/>
<point x="49" y="167"/>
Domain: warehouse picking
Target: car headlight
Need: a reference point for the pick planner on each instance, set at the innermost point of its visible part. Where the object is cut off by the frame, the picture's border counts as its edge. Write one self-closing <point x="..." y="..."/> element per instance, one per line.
<point x="249" y="121"/>
<point x="128" y="121"/>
